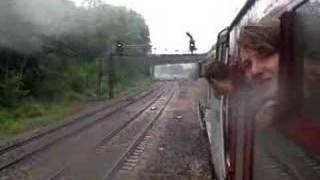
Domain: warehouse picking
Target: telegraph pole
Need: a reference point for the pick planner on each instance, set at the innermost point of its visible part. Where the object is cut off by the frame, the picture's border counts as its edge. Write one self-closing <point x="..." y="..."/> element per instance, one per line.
<point x="111" y="75"/>
<point x="92" y="4"/>
<point x="100" y="75"/>
<point x="117" y="50"/>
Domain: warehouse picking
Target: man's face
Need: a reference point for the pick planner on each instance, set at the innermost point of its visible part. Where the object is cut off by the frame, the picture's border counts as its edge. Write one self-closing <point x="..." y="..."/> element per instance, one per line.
<point x="259" y="70"/>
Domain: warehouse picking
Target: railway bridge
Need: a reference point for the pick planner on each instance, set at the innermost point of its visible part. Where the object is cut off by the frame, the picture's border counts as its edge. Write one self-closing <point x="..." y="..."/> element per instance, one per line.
<point x="160" y="59"/>
<point x="175" y="58"/>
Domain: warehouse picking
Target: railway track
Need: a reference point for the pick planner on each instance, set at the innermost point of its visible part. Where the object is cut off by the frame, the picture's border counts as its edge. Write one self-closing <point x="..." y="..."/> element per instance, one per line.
<point x="16" y="143"/>
<point x="119" y="143"/>
<point x="279" y="158"/>
<point x="14" y="153"/>
<point x="110" y="174"/>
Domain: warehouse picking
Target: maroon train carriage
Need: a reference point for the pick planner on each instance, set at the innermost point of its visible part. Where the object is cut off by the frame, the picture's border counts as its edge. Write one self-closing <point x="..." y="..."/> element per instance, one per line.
<point x="288" y="148"/>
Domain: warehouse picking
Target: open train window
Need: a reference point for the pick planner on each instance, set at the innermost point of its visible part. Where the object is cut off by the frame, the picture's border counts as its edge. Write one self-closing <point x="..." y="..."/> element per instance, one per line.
<point x="223" y="45"/>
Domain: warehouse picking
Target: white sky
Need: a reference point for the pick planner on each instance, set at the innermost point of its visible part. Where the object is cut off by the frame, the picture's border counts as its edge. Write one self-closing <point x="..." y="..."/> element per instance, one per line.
<point x="169" y="20"/>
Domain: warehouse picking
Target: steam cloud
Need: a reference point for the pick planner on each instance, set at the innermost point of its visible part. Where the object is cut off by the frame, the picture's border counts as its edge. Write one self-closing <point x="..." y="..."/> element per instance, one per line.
<point x="22" y="22"/>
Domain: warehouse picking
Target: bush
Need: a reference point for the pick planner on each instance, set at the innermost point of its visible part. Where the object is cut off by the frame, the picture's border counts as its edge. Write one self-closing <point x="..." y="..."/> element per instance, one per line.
<point x="11" y="90"/>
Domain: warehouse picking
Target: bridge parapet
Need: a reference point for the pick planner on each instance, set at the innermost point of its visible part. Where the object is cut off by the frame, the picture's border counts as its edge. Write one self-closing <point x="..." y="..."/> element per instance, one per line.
<point x="175" y="58"/>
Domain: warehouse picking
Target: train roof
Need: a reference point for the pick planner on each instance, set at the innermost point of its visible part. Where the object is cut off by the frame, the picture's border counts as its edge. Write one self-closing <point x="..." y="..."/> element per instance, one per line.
<point x="271" y="8"/>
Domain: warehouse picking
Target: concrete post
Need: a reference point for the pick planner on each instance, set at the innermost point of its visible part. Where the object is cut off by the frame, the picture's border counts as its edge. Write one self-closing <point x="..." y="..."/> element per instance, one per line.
<point x="151" y="70"/>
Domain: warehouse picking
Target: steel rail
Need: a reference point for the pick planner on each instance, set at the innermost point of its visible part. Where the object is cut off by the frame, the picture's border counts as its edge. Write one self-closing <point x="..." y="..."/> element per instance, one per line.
<point x="112" y="172"/>
<point x="110" y="135"/>
<point x="6" y="148"/>
<point x="17" y="160"/>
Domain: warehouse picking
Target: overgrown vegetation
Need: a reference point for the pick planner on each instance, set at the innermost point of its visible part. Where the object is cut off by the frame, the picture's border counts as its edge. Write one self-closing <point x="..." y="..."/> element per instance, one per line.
<point x="53" y="55"/>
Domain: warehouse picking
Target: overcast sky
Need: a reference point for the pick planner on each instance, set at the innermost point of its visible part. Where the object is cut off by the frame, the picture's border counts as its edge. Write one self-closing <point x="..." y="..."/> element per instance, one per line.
<point x="169" y="20"/>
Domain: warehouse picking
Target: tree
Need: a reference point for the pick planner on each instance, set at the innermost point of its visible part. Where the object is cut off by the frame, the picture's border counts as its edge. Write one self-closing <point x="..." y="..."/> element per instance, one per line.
<point x="48" y="55"/>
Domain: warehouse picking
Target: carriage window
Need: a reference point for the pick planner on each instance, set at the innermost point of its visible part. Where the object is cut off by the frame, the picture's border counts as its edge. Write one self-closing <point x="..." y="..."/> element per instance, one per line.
<point x="290" y="148"/>
<point x="295" y="151"/>
<point x="308" y="51"/>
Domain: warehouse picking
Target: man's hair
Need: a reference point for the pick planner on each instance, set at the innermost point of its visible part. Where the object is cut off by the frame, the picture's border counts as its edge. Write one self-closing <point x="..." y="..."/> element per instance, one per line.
<point x="263" y="37"/>
<point x="216" y="70"/>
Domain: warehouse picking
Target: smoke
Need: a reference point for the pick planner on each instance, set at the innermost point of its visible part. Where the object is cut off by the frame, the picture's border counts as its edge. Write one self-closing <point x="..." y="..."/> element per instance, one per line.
<point x="29" y="26"/>
<point x="51" y="16"/>
<point x="23" y="22"/>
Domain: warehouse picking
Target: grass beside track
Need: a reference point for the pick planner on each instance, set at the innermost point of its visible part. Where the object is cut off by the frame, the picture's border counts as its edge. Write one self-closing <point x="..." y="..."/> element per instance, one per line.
<point x="34" y="114"/>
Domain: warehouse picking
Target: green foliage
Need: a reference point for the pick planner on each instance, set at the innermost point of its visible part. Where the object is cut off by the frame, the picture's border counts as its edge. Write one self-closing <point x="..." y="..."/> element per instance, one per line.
<point x="53" y="53"/>
<point x="11" y="88"/>
<point x="32" y="113"/>
<point x="29" y="115"/>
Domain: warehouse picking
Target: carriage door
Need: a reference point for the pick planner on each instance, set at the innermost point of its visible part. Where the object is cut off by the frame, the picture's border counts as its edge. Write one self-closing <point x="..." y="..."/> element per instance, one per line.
<point x="221" y="124"/>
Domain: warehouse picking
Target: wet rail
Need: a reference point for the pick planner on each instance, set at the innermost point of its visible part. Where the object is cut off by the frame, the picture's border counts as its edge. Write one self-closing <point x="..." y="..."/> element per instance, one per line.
<point x="132" y="146"/>
<point x="18" y="151"/>
<point x="133" y="128"/>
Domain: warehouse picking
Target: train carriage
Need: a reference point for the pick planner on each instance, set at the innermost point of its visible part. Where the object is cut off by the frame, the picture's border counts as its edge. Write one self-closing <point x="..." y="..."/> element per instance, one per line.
<point x="288" y="147"/>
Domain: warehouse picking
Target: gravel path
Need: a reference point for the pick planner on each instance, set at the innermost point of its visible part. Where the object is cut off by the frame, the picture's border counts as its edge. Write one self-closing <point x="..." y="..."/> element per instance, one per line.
<point x="175" y="147"/>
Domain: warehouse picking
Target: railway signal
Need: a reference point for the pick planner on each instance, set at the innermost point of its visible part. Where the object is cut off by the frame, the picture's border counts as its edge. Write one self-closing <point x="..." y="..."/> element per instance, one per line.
<point x="192" y="46"/>
<point x="192" y="43"/>
<point x="116" y="51"/>
<point x="119" y="48"/>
